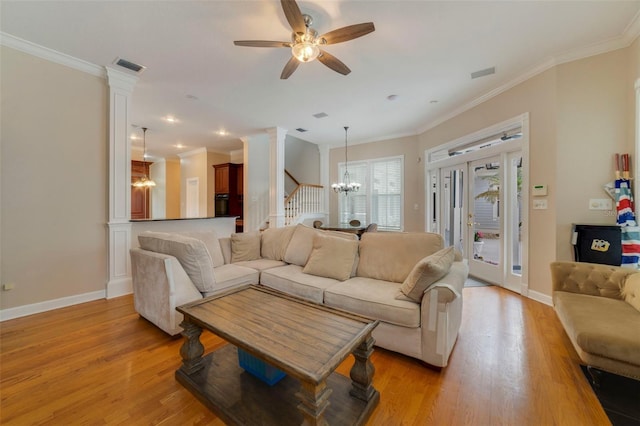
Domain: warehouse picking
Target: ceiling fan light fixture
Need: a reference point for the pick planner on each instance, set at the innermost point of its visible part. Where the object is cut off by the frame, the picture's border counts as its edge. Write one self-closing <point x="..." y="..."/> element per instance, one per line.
<point x="305" y="51"/>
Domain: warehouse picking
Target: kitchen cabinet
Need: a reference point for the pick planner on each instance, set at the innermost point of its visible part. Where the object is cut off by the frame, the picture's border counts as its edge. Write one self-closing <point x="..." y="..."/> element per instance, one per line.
<point x="228" y="181"/>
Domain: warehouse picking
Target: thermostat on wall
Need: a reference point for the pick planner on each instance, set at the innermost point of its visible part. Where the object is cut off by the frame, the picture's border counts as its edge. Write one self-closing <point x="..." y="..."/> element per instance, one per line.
<point x="539" y="190"/>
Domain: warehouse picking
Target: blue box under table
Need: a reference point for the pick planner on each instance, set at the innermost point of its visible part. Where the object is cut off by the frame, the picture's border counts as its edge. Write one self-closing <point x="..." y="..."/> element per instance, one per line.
<point x="263" y="371"/>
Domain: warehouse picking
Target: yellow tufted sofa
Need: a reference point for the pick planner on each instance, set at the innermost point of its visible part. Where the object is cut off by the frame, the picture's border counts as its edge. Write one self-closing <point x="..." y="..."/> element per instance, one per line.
<point x="599" y="310"/>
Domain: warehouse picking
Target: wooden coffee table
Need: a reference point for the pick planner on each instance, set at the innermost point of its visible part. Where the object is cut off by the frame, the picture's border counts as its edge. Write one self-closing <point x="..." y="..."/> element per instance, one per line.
<point x="305" y="340"/>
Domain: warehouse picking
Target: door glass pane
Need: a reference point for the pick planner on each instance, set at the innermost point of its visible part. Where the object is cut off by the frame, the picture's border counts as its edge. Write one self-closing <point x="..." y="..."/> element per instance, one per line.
<point x="486" y="212"/>
<point x="453" y="205"/>
<point x="515" y="175"/>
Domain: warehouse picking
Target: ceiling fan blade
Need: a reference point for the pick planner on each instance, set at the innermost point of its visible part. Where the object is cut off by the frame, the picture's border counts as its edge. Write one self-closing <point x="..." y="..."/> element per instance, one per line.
<point x="261" y="43"/>
<point x="293" y="15"/>
<point x="333" y="63"/>
<point x="348" y="33"/>
<point x="291" y="66"/>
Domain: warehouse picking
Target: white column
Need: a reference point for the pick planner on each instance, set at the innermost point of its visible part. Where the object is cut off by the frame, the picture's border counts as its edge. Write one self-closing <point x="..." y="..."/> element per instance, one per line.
<point x="276" y="176"/>
<point x="121" y="85"/>
<point x="324" y="179"/>
<point x="256" y="181"/>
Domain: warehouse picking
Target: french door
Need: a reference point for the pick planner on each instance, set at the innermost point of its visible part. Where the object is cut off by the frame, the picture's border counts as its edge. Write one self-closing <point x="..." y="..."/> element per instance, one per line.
<point x="476" y="206"/>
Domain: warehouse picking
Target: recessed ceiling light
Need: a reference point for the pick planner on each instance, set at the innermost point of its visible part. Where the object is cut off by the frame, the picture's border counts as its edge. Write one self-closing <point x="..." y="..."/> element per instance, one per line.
<point x="222" y="132"/>
<point x="134" y="137"/>
<point x="179" y="145"/>
<point x="171" y="119"/>
<point x="321" y="115"/>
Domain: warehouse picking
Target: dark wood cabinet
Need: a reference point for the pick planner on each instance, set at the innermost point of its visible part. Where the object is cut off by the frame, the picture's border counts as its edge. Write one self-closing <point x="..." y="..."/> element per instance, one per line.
<point x="228" y="181"/>
<point x="139" y="195"/>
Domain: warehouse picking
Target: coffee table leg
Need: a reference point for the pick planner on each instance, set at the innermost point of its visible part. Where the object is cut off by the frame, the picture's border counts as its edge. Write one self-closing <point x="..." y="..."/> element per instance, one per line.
<point x="191" y="349"/>
<point x="314" y="401"/>
<point x="362" y="371"/>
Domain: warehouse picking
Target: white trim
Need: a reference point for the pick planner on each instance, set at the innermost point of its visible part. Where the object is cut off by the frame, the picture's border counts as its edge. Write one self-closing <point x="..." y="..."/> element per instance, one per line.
<point x="26" y="46"/>
<point x="48" y="305"/>
<point x="119" y="287"/>
<point x="540" y="297"/>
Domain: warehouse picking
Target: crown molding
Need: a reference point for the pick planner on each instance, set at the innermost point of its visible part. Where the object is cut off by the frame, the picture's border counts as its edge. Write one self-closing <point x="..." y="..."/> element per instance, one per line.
<point x="631" y="32"/>
<point x="42" y="52"/>
<point x="192" y="152"/>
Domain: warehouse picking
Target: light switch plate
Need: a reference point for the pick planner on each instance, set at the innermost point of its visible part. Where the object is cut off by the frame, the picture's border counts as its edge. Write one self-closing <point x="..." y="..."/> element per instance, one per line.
<point x="540" y="204"/>
<point x="600" y="204"/>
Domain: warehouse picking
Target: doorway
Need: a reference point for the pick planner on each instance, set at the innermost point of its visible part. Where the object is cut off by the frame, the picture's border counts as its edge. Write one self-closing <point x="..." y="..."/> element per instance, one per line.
<point x="477" y="203"/>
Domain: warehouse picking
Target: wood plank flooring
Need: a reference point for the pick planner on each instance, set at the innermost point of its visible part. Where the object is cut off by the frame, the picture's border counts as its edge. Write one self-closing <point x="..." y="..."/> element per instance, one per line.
<point x="100" y="363"/>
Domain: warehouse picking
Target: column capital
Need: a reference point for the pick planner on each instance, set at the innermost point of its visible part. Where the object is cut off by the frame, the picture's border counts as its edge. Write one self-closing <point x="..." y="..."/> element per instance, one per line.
<point x="121" y="80"/>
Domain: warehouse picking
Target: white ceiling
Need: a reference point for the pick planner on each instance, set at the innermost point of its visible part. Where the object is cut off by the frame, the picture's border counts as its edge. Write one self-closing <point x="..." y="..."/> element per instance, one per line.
<point x="421" y="51"/>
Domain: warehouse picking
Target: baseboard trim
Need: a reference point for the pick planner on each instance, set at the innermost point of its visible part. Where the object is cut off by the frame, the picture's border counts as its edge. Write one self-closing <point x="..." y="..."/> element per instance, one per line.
<point x="48" y="305"/>
<point x="117" y="288"/>
<point x="540" y="297"/>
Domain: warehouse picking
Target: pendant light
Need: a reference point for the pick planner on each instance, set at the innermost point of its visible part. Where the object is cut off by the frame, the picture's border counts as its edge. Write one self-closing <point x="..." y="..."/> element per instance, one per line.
<point x="346" y="186"/>
<point x="145" y="182"/>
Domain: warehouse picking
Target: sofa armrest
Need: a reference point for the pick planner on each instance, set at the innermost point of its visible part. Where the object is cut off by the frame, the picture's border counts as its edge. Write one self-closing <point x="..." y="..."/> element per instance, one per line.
<point x="589" y="278"/>
<point x="160" y="284"/>
<point x="441" y="315"/>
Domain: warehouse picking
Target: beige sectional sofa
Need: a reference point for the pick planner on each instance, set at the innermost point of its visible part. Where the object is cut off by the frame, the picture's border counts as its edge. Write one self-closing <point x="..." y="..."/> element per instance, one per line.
<point x="406" y="280"/>
<point x="599" y="308"/>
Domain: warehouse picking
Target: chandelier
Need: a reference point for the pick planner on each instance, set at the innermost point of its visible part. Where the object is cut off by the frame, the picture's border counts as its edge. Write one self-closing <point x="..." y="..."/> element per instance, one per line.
<point x="145" y="182"/>
<point x="346" y="186"/>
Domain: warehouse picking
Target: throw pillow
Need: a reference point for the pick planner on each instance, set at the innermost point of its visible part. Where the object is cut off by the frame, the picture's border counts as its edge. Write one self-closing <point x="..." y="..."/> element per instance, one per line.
<point x="300" y="245"/>
<point x="245" y="246"/>
<point x="190" y="252"/>
<point x="426" y="272"/>
<point x="631" y="290"/>
<point x="275" y="241"/>
<point x="331" y="257"/>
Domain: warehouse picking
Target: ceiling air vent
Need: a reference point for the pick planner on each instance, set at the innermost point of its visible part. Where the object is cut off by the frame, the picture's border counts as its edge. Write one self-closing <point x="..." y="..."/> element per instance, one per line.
<point x="482" y="73"/>
<point x="129" y="65"/>
<point x="301" y="130"/>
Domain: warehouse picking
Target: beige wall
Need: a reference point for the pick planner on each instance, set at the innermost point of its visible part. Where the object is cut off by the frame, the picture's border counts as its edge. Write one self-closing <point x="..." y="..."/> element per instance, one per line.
<point x="302" y="160"/>
<point x="592" y="104"/>
<point x="172" y="190"/>
<point x="54" y="180"/>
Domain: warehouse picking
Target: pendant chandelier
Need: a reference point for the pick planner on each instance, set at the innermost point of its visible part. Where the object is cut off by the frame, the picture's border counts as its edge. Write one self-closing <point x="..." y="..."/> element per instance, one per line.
<point x="346" y="186"/>
<point x="145" y="182"/>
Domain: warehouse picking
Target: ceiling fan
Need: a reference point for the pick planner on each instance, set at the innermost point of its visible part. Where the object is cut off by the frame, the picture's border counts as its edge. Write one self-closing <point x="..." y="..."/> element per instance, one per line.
<point x="305" y="43"/>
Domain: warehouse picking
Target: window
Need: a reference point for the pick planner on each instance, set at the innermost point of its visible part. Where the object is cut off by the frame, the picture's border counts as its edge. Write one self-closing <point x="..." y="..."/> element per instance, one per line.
<point x="380" y="197"/>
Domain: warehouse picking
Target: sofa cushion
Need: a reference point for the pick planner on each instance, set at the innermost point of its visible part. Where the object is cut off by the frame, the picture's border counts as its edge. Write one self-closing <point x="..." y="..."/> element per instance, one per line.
<point x="245" y="246"/>
<point x="232" y="275"/>
<point x="375" y="299"/>
<point x="631" y="291"/>
<point x="331" y="257"/>
<point x="426" y="272"/>
<point x="600" y="325"/>
<point x="390" y="256"/>
<point x="290" y="279"/>
<point x="190" y="252"/>
<point x="211" y="241"/>
<point x="275" y="241"/>
<point x="261" y="264"/>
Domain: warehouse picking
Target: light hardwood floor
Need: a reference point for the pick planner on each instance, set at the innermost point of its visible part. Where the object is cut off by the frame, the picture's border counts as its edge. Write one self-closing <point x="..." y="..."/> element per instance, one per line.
<point x="100" y="363"/>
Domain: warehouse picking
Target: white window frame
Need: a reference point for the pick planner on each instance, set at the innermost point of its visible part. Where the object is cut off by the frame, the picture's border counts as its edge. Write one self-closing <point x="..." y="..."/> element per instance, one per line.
<point x="368" y="185"/>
